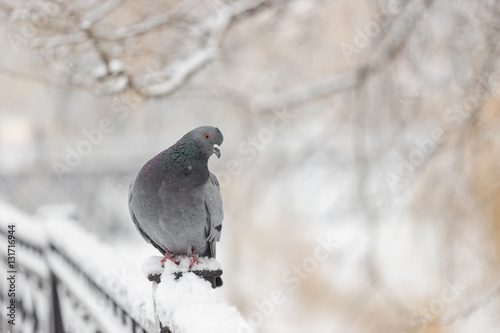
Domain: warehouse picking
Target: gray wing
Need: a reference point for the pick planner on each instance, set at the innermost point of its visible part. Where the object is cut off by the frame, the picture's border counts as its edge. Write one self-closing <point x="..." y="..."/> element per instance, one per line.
<point x="215" y="214"/>
<point x="142" y="232"/>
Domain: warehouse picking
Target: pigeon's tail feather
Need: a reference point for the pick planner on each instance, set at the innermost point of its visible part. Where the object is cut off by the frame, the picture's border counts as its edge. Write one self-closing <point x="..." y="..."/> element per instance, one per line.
<point x="211" y="249"/>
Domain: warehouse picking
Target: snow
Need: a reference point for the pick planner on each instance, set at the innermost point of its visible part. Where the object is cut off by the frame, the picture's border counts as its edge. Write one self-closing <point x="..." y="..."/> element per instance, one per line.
<point x="190" y="305"/>
<point x="113" y="67"/>
<point x="152" y="265"/>
<point x="116" y="66"/>
<point x="100" y="71"/>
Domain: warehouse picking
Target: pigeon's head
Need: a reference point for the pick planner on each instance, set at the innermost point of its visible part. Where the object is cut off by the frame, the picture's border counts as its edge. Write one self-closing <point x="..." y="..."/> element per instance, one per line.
<point x="208" y="139"/>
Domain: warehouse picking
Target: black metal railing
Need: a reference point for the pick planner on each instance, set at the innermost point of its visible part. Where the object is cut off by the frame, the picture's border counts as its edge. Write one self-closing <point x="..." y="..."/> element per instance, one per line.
<point x="37" y="292"/>
<point x="122" y="315"/>
<point x="32" y="290"/>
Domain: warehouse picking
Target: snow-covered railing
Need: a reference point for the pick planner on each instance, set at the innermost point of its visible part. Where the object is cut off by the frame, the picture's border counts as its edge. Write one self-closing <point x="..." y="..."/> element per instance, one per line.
<point x="30" y="302"/>
<point x="49" y="289"/>
<point x="25" y="291"/>
<point x="64" y="280"/>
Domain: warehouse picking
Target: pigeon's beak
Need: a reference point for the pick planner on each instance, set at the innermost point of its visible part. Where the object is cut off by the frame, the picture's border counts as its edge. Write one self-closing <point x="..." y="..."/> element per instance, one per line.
<point x="217" y="150"/>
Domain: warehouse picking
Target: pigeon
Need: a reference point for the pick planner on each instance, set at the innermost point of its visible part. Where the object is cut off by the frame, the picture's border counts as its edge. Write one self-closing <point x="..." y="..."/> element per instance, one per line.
<point x="175" y="201"/>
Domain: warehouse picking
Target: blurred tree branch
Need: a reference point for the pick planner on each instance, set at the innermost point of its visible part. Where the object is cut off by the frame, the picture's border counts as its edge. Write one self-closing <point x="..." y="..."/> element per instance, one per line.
<point x="393" y="41"/>
<point x="98" y="54"/>
<point x="473" y="308"/>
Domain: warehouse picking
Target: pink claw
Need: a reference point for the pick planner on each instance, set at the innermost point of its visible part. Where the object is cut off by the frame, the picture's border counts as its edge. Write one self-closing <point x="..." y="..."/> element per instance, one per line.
<point x="193" y="260"/>
<point x="168" y="256"/>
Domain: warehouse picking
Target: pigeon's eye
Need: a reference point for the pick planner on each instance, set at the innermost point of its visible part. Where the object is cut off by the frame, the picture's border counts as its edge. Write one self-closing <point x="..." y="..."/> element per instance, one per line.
<point x="207" y="136"/>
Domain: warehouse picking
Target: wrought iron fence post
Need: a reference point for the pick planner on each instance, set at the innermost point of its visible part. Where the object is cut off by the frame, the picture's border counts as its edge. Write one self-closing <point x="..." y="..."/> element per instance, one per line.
<point x="57" y="322"/>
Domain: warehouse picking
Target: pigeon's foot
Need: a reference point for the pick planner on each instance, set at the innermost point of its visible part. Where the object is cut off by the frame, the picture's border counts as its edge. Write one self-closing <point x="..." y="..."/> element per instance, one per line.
<point x="168" y="256"/>
<point x="193" y="260"/>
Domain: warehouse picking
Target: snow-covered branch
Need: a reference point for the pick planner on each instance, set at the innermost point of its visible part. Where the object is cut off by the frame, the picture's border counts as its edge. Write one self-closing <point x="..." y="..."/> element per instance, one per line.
<point x="139" y="28"/>
<point x="308" y="91"/>
<point x="181" y="71"/>
<point x="469" y="310"/>
<point x="55" y="41"/>
<point x="73" y="33"/>
<point x="98" y="14"/>
<point x="399" y="34"/>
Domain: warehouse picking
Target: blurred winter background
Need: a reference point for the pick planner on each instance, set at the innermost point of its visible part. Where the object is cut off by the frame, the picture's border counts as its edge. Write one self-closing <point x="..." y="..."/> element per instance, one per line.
<point x="360" y="167"/>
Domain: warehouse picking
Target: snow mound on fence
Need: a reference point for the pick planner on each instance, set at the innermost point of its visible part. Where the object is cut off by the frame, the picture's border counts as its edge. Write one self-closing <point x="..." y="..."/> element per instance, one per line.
<point x="190" y="305"/>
